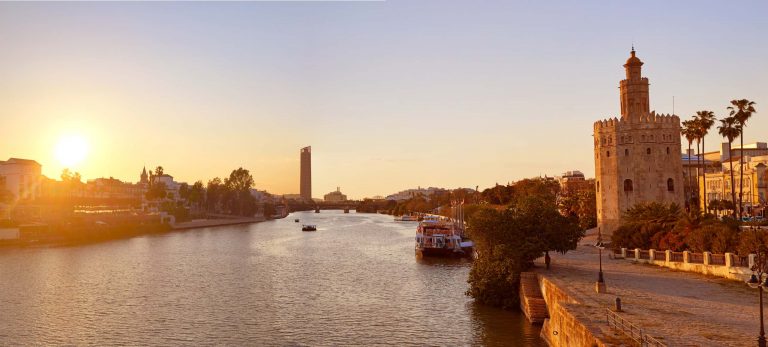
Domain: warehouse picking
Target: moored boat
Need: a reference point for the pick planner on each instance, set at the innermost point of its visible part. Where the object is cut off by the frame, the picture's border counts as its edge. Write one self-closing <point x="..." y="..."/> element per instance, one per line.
<point x="308" y="227"/>
<point x="438" y="236"/>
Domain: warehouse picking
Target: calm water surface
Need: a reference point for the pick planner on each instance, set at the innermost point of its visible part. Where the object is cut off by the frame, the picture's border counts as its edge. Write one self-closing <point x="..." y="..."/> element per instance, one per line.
<point x="353" y="282"/>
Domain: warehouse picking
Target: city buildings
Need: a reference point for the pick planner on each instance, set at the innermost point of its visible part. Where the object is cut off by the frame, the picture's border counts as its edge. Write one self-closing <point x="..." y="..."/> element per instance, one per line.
<point x="410" y="193"/>
<point x="717" y="177"/>
<point x="305" y="184"/>
<point x="335" y="196"/>
<point x="637" y="157"/>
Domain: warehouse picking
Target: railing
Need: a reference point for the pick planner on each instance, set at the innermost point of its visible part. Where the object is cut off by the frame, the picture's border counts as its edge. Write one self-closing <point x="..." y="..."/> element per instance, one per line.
<point x="717" y="259"/>
<point x="697" y="258"/>
<point x="632" y="331"/>
<point x="739" y="261"/>
<point x="645" y="254"/>
<point x="676" y="257"/>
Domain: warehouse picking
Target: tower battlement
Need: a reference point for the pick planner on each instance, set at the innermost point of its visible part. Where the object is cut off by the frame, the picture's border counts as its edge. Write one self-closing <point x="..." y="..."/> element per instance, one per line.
<point x="649" y="118"/>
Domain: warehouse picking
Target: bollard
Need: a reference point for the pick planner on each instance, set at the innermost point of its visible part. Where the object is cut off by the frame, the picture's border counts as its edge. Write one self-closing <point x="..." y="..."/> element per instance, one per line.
<point x="618" y="304"/>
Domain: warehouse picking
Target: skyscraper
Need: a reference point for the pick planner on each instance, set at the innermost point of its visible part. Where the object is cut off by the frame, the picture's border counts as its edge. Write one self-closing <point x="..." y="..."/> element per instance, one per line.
<point x="305" y="184"/>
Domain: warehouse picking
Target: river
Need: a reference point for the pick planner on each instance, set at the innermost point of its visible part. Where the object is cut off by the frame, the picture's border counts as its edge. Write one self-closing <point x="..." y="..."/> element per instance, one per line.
<point x="355" y="281"/>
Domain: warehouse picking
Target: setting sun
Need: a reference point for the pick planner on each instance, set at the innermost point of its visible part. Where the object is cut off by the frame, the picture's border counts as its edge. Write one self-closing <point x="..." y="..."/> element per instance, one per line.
<point x="71" y="150"/>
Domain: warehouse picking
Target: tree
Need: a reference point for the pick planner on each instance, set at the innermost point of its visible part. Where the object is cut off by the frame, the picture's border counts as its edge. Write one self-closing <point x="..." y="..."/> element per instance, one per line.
<point x="156" y="191"/>
<point x="642" y="222"/>
<point x="705" y="120"/>
<point x="184" y="191"/>
<point x="197" y="194"/>
<point x="159" y="171"/>
<point x="689" y="132"/>
<point x="214" y="195"/>
<point x="741" y="112"/>
<point x="238" y="195"/>
<point x="508" y="240"/>
<point x="71" y="180"/>
<point x="729" y="128"/>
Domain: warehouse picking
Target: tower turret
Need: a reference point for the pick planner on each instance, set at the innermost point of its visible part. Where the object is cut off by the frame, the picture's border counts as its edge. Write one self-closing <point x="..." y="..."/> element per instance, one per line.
<point x="634" y="90"/>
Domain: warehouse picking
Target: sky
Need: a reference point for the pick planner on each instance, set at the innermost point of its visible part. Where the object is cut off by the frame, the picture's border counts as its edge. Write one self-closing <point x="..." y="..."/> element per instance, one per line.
<point x="390" y="94"/>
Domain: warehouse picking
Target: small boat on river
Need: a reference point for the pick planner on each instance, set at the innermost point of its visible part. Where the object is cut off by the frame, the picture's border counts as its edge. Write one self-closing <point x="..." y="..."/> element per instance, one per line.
<point x="295" y="220"/>
<point x="407" y="218"/>
<point x="309" y="227"/>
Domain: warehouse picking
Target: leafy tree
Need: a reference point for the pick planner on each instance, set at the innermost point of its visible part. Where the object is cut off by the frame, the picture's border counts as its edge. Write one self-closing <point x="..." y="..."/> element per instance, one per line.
<point x="184" y="191"/>
<point x="156" y="191"/>
<point x="729" y="128"/>
<point x="159" y="171"/>
<point x="214" y="195"/>
<point x="508" y="240"/>
<point x="642" y="222"/>
<point x="741" y="112"/>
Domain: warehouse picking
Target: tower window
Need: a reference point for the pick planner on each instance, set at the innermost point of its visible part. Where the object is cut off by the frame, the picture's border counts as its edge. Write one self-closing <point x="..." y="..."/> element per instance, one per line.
<point x="627" y="185"/>
<point x="670" y="185"/>
<point x="626" y="151"/>
<point x="608" y="154"/>
<point x="648" y="150"/>
<point x="667" y="150"/>
<point x="598" y="185"/>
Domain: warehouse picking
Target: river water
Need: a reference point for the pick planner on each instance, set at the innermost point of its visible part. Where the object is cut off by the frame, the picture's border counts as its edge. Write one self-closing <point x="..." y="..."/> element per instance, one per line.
<point x="353" y="282"/>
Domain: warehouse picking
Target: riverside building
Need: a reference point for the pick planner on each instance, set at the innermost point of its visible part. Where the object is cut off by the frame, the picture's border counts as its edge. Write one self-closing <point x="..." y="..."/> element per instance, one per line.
<point x="637" y="156"/>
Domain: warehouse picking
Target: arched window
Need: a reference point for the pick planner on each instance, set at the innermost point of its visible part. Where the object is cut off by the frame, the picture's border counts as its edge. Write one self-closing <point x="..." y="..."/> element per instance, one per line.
<point x="608" y="154"/>
<point x="628" y="185"/>
<point x="670" y="185"/>
<point x="667" y="150"/>
<point x="598" y="185"/>
<point x="648" y="150"/>
<point x="626" y="151"/>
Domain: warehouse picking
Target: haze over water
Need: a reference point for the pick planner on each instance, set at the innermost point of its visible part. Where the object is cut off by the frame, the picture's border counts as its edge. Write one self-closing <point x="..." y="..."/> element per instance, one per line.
<point x="353" y="282"/>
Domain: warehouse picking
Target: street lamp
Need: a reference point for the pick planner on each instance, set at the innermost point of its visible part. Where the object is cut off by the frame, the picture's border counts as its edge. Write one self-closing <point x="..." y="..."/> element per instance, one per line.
<point x="600" y="285"/>
<point x="756" y="281"/>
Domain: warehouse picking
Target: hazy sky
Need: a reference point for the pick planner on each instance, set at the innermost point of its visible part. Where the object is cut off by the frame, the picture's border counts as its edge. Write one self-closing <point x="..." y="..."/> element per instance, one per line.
<point x="390" y="95"/>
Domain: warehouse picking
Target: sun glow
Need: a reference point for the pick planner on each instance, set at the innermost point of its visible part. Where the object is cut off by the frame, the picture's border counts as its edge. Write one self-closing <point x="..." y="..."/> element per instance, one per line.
<point x="71" y="150"/>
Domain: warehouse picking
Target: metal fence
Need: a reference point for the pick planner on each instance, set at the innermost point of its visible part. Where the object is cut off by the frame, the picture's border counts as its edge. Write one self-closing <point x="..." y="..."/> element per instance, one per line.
<point x="631" y="330"/>
<point x="739" y="261"/>
<point x="645" y="254"/>
<point x="676" y="257"/>
<point x="697" y="258"/>
<point x="717" y="259"/>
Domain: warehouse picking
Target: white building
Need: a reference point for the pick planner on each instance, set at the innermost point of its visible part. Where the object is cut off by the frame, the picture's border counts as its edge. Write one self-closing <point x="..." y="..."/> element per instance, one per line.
<point x="21" y="177"/>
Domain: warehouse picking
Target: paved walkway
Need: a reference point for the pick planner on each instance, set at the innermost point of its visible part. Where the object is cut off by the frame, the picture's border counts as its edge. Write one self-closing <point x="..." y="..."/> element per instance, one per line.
<point x="686" y="309"/>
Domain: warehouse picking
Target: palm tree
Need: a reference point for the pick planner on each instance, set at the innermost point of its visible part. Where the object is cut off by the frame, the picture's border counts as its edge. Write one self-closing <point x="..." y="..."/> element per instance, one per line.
<point x="730" y="129"/>
<point x="741" y="111"/>
<point x="688" y="132"/>
<point x="705" y="120"/>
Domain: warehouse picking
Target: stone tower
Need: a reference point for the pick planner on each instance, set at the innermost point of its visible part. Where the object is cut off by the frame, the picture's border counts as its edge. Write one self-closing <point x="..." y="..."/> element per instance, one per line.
<point x="637" y="157"/>
<point x="305" y="182"/>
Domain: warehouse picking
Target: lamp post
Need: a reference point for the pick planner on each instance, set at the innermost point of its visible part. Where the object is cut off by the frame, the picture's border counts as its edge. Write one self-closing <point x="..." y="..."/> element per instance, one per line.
<point x="756" y="281"/>
<point x="600" y="284"/>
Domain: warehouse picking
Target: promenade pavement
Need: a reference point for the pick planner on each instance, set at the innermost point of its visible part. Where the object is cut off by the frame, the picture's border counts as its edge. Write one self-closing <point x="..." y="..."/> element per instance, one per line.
<point x="683" y="308"/>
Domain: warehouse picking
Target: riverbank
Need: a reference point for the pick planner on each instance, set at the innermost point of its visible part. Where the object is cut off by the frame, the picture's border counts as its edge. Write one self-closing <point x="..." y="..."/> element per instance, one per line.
<point x="206" y="223"/>
<point x="36" y="235"/>
<point x="678" y="308"/>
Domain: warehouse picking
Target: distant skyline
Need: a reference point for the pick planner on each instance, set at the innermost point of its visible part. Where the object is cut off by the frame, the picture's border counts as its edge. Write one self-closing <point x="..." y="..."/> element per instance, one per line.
<point x="390" y="95"/>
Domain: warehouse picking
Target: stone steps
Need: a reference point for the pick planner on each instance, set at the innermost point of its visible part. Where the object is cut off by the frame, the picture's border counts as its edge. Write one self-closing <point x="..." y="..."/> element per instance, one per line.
<point x="531" y="301"/>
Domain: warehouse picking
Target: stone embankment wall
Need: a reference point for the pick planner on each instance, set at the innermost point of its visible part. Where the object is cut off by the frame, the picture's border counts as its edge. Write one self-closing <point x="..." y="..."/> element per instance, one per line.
<point x="568" y="324"/>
